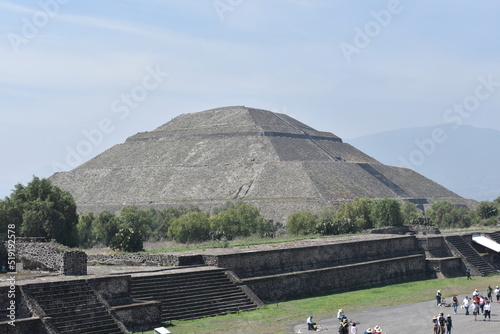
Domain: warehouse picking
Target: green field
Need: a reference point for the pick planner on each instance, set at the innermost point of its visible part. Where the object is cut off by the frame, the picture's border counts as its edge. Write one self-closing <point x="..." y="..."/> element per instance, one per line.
<point x="288" y="313"/>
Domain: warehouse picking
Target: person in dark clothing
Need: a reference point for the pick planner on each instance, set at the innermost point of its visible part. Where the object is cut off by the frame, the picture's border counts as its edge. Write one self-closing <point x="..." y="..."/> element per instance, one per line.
<point x="438" y="298"/>
<point x="468" y="274"/>
<point x="449" y="324"/>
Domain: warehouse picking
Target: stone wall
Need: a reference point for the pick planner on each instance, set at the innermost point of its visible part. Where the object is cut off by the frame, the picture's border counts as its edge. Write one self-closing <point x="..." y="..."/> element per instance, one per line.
<point x="139" y="316"/>
<point x="50" y="256"/>
<point x="338" y="279"/>
<point x="271" y="262"/>
<point x="143" y="259"/>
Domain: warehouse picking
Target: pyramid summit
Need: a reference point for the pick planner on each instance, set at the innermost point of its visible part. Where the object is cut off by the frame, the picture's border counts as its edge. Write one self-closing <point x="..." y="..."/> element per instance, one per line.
<point x="237" y="153"/>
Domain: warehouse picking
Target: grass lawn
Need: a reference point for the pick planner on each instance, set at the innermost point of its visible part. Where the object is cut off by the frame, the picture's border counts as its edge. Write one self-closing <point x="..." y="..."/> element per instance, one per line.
<point x="283" y="315"/>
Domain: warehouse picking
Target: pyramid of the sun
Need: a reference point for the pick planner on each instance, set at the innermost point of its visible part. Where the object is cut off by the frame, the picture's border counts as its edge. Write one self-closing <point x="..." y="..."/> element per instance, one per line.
<point x="240" y="154"/>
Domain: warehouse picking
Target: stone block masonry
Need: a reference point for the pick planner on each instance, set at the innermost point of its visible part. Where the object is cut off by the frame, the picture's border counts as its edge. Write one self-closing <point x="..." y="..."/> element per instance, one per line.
<point x="41" y="254"/>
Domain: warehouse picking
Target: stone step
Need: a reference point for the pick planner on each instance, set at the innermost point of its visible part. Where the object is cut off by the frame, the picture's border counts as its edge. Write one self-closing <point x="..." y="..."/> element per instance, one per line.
<point x="172" y="292"/>
<point x="197" y="293"/>
<point x="195" y="313"/>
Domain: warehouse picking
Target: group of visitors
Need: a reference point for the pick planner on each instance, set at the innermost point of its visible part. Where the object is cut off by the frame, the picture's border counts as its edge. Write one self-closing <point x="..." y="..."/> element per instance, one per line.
<point x="441" y="324"/>
<point x="345" y="326"/>
<point x="480" y="305"/>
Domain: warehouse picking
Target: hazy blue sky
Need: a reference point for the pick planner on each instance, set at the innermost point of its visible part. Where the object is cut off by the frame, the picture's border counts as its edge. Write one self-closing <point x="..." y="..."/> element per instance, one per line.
<point x="77" y="77"/>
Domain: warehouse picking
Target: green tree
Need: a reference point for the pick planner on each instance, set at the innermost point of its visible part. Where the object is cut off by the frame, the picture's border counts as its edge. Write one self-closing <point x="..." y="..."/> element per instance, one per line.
<point x="161" y="219"/>
<point x="387" y="212"/>
<point x="138" y="220"/>
<point x="359" y="211"/>
<point x="301" y="223"/>
<point x="85" y="230"/>
<point x="41" y="209"/>
<point x="238" y="220"/>
<point x="444" y="214"/>
<point x="127" y="240"/>
<point x="105" y="227"/>
<point x="486" y="210"/>
<point x="191" y="227"/>
<point x="410" y="213"/>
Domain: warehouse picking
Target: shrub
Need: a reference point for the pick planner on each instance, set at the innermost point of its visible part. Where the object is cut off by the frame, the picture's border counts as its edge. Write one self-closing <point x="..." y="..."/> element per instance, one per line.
<point x="301" y="223"/>
<point x="191" y="227"/>
<point x="127" y="240"/>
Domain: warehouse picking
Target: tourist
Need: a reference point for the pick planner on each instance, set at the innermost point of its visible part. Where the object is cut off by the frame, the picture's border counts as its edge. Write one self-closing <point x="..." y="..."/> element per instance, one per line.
<point x="311" y="325"/>
<point x="475" y="293"/>
<point x="368" y="331"/>
<point x="481" y="304"/>
<point x="340" y="315"/>
<point x="497" y="294"/>
<point x="489" y="293"/>
<point x="475" y="309"/>
<point x="435" y="323"/>
<point x="377" y="330"/>
<point x="344" y="327"/>
<point x="468" y="274"/>
<point x="438" y="298"/>
<point x="455" y="303"/>
<point x="448" y="324"/>
<point x="487" y="310"/>
<point x="442" y="322"/>
<point x="466" y="304"/>
<point x="354" y="329"/>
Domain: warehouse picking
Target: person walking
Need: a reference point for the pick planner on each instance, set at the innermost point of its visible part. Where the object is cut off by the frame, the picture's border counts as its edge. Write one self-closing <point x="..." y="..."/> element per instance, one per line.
<point x="475" y="309"/>
<point x="455" y="304"/>
<point x="466" y="304"/>
<point x="487" y="310"/>
<point x="481" y="304"/>
<point x="448" y="324"/>
<point x="489" y="293"/>
<point x="497" y="293"/>
<point x="468" y="273"/>
<point x="354" y="329"/>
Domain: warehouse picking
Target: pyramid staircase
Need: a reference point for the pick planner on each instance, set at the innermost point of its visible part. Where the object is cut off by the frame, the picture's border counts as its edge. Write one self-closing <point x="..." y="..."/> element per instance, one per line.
<point x="469" y="255"/>
<point x="192" y="295"/>
<point x="495" y="236"/>
<point x="73" y="307"/>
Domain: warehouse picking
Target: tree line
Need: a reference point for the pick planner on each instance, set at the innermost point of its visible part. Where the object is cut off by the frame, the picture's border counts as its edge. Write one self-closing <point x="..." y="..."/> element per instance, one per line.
<point x="41" y="209"/>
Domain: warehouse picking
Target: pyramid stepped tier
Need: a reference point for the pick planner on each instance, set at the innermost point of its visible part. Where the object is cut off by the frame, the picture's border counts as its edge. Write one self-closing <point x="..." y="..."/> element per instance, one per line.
<point x="236" y="153"/>
<point x="469" y="255"/>
<point x="73" y="307"/>
<point x="193" y="294"/>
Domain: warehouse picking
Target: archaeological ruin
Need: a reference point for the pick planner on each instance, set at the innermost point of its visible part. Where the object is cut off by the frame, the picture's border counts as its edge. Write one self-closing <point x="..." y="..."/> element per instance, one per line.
<point x="267" y="159"/>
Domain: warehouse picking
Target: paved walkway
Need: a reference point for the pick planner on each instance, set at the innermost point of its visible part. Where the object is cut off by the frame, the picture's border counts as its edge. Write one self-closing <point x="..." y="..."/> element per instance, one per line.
<point x="411" y="318"/>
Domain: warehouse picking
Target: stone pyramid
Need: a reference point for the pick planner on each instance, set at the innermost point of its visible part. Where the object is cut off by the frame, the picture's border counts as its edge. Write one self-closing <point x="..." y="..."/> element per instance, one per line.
<point x="240" y="154"/>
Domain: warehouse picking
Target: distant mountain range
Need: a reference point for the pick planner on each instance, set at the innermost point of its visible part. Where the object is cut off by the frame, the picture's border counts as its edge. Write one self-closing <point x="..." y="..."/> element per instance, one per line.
<point x="464" y="159"/>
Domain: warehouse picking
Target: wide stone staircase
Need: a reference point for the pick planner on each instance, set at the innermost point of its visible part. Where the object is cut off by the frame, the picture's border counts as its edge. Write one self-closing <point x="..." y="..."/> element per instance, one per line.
<point x="494" y="236"/>
<point x="469" y="255"/>
<point x="73" y="307"/>
<point x="193" y="294"/>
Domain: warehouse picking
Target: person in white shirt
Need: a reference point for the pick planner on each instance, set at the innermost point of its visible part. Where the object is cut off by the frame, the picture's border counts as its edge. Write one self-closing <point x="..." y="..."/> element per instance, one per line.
<point x="487" y="310"/>
<point x="497" y="293"/>
<point x="466" y="304"/>
<point x="311" y="326"/>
